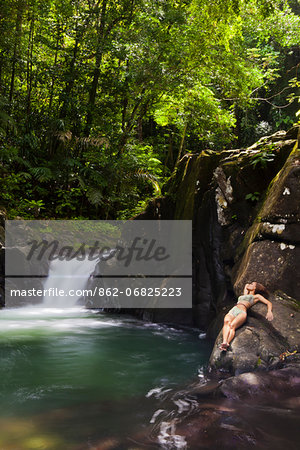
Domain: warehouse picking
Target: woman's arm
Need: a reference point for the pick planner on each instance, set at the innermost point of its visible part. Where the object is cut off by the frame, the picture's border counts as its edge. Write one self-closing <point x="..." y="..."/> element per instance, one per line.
<point x="262" y="299"/>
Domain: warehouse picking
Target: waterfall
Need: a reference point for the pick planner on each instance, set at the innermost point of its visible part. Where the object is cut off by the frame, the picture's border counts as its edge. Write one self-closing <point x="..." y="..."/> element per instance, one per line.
<point x="65" y="280"/>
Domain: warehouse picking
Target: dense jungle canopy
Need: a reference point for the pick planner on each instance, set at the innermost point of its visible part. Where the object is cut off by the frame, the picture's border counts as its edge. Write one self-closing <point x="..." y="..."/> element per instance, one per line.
<point x="100" y="98"/>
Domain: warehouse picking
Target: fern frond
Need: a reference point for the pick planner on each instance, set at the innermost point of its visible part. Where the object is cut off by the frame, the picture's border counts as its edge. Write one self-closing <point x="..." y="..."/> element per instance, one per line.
<point x="42" y="173"/>
<point x="87" y="142"/>
<point x="81" y="181"/>
<point x="64" y="136"/>
<point x="25" y="175"/>
<point x="94" y="196"/>
<point x="149" y="177"/>
<point x="22" y="161"/>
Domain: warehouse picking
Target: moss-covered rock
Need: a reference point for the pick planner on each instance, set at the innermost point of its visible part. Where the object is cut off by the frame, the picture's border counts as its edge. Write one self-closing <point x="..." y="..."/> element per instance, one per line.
<point x="270" y="251"/>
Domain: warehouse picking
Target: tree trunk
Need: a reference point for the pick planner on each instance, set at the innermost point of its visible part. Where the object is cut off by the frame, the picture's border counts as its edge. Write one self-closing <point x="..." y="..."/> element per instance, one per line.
<point x="70" y="80"/>
<point x="132" y="121"/>
<point x="96" y="75"/>
<point x="169" y="161"/>
<point x="29" y="60"/>
<point x="125" y="97"/>
<point x="1" y="65"/>
<point x="181" y="144"/>
<point x="71" y="72"/>
<point x="55" y="64"/>
<point x="18" y="32"/>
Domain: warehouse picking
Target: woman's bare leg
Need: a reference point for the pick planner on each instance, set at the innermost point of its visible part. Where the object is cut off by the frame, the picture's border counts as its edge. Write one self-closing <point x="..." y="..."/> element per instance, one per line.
<point x="236" y="323"/>
<point x="228" y="319"/>
<point x="230" y="335"/>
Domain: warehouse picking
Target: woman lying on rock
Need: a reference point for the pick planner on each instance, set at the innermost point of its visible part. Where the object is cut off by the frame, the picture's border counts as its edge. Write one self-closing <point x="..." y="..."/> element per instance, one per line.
<point x="238" y="314"/>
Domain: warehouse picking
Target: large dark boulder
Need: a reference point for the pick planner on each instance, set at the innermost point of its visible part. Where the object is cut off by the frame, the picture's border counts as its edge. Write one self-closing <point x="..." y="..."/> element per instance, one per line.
<point x="270" y="252"/>
<point x="231" y="238"/>
<point x="227" y="220"/>
<point x="245" y="214"/>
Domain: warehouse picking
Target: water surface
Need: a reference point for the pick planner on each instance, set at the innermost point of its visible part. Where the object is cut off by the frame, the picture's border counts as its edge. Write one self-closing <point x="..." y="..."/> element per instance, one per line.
<point x="75" y="378"/>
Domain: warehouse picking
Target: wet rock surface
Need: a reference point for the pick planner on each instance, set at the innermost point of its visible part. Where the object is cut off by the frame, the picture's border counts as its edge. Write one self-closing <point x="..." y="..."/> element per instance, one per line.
<point x="252" y="410"/>
<point x="265" y="385"/>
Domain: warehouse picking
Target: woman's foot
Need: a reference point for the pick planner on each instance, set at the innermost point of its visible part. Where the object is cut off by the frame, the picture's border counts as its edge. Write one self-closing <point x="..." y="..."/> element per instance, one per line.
<point x="224" y="347"/>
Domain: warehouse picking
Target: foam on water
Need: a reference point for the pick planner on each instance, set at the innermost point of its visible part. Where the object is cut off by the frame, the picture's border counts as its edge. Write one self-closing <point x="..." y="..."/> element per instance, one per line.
<point x="32" y="320"/>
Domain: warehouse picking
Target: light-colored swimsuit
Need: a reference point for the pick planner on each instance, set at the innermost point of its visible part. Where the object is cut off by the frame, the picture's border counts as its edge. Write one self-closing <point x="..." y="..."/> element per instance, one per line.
<point x="243" y="300"/>
<point x="246" y="298"/>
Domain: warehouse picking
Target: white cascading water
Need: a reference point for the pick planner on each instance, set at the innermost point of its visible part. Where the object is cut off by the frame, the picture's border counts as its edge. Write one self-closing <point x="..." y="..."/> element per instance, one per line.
<point x="69" y="277"/>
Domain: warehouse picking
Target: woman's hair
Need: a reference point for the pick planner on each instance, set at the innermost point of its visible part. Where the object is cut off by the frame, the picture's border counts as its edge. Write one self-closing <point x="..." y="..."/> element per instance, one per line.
<point x="261" y="289"/>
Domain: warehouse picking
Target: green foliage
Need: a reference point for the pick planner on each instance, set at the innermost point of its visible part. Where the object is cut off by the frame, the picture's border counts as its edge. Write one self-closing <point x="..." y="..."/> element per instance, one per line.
<point x="253" y="196"/>
<point x="200" y="109"/>
<point x="6" y="122"/>
<point x="263" y="157"/>
<point x="94" y="196"/>
<point x="131" y="212"/>
<point x="34" y="205"/>
<point x="284" y="121"/>
<point x="41" y="173"/>
<point x="67" y="201"/>
<point x="100" y="99"/>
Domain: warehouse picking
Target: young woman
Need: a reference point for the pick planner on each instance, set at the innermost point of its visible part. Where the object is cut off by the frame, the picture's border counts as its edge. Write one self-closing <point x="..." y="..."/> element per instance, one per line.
<point x="238" y="314"/>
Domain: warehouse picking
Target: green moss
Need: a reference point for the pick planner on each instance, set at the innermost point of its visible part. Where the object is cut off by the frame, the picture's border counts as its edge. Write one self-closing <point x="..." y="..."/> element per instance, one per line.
<point x="278" y="181"/>
<point x="248" y="239"/>
<point x="258" y="362"/>
<point x="284" y="297"/>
